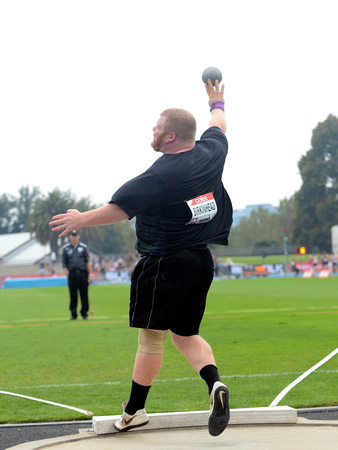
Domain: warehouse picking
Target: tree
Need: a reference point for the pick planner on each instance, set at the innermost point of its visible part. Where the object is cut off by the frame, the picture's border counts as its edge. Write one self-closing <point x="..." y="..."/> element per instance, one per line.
<point x="44" y="209"/>
<point x="33" y="211"/>
<point x="90" y="235"/>
<point x="24" y="207"/>
<point x="316" y="201"/>
<point x="106" y="239"/>
<point x="7" y="203"/>
<point x="286" y="212"/>
<point x="261" y="228"/>
<point x="117" y="238"/>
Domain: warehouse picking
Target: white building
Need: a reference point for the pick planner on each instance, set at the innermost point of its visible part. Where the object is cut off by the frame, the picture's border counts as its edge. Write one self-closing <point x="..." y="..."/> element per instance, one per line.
<point x="19" y="249"/>
<point x="334" y="239"/>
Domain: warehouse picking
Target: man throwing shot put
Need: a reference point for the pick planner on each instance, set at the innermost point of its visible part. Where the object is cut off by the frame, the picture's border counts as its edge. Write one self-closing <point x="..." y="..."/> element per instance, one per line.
<point x="180" y="206"/>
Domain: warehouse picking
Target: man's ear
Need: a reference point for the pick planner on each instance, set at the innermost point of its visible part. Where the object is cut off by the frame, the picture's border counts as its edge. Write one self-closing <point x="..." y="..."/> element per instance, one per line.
<point x="171" y="136"/>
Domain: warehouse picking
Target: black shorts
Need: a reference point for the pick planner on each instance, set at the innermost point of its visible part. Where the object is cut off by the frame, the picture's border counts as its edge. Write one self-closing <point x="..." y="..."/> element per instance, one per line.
<point x="169" y="292"/>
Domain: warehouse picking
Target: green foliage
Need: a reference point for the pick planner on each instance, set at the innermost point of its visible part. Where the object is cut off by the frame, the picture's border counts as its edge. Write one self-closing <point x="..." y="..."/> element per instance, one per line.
<point x="309" y="214"/>
<point x="45" y="207"/>
<point x="286" y="212"/>
<point x="116" y="238"/>
<point x="90" y="235"/>
<point x="24" y="207"/>
<point x="316" y="201"/>
<point x="14" y="212"/>
<point x="264" y="333"/>
<point x="7" y="203"/>
<point x="32" y="211"/>
<point x="262" y="229"/>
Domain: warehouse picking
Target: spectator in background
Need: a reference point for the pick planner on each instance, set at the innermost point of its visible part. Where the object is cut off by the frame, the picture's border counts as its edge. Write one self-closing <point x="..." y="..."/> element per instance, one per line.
<point x="42" y="267"/>
<point x="228" y="267"/>
<point x="53" y="261"/>
<point x="324" y="260"/>
<point x="294" y="268"/>
<point x="334" y="263"/>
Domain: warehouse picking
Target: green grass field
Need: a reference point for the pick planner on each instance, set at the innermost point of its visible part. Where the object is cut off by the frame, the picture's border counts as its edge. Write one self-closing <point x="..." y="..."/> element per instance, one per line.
<point x="269" y="259"/>
<point x="264" y="333"/>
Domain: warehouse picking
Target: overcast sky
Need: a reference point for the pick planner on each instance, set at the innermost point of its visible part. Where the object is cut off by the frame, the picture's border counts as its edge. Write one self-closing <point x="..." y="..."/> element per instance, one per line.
<point x="83" y="83"/>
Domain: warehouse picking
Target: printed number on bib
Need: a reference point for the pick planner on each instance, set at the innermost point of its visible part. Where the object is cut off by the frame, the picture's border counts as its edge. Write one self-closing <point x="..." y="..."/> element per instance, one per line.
<point x="203" y="209"/>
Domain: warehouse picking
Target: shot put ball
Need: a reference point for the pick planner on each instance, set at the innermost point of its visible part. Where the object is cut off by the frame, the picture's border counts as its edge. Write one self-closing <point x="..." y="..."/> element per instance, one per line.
<point x="213" y="74"/>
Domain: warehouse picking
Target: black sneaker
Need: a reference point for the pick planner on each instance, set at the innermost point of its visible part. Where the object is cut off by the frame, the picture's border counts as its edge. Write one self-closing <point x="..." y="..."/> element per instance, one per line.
<point x="219" y="409"/>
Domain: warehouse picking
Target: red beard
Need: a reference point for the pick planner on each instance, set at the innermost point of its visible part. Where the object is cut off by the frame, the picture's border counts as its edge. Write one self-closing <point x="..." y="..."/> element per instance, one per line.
<point x="158" y="142"/>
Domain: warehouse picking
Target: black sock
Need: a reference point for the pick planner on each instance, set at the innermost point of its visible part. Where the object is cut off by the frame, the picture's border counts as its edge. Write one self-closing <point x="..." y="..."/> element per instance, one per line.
<point x="138" y="397"/>
<point x="210" y="375"/>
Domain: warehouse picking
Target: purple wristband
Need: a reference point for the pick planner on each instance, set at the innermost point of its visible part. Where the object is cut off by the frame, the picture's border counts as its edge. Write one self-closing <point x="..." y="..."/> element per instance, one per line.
<point x="217" y="105"/>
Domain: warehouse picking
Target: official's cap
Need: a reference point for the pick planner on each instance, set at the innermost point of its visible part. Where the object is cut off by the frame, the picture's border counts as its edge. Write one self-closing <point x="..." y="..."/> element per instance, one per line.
<point x="74" y="233"/>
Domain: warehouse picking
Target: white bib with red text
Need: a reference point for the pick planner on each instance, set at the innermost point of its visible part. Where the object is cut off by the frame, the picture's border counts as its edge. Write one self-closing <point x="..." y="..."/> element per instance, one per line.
<point x="203" y="208"/>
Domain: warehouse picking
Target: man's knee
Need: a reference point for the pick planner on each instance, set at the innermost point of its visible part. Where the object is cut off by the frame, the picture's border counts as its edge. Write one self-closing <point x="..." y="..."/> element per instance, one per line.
<point x="184" y="343"/>
<point x="150" y="341"/>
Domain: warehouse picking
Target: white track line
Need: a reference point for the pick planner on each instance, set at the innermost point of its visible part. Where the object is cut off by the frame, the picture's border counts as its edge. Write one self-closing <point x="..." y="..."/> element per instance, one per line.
<point x="166" y="380"/>
<point x="299" y="379"/>
<point x="87" y="413"/>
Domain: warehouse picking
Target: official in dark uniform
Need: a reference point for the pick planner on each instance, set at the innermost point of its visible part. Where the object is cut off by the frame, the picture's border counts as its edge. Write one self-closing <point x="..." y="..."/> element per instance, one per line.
<point x="77" y="268"/>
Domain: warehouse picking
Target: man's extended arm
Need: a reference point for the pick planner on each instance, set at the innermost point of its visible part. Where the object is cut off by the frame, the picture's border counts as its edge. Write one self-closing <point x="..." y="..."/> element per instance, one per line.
<point x="75" y="220"/>
<point x="218" y="119"/>
<point x="216" y="103"/>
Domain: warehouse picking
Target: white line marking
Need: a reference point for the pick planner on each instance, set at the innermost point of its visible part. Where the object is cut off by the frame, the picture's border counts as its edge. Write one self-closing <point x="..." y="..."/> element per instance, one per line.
<point x="166" y="380"/>
<point x="299" y="379"/>
<point x="87" y="413"/>
<point x="108" y="383"/>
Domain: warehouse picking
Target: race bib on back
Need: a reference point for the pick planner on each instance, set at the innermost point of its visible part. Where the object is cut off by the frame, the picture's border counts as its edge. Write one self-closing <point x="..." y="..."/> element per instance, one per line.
<point x="203" y="209"/>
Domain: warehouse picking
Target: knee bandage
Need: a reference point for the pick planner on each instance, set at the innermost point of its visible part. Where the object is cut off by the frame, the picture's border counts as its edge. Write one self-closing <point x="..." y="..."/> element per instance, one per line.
<point x="150" y="341"/>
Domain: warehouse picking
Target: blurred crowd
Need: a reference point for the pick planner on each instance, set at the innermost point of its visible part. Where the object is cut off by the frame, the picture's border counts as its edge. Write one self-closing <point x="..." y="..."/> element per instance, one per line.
<point x="119" y="268"/>
<point x="106" y="267"/>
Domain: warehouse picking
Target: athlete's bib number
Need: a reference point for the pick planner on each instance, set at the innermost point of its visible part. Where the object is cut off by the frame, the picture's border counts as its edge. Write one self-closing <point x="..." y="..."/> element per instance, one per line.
<point x="203" y="208"/>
